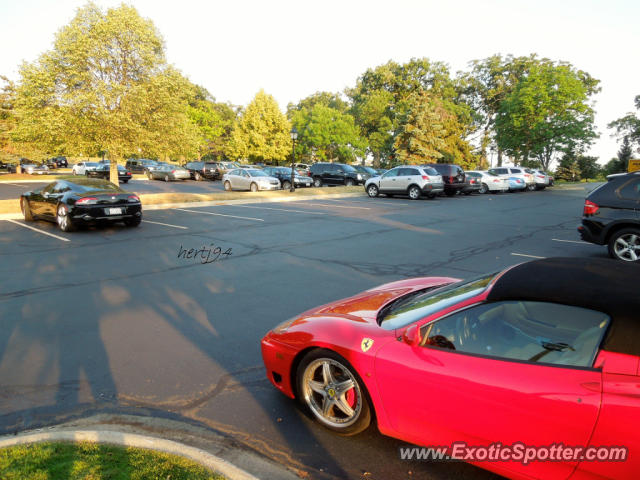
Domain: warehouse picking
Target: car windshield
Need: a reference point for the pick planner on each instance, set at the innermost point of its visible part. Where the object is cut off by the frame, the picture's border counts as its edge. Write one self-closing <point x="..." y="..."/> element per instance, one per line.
<point x="90" y="164"/>
<point x="91" y="185"/>
<point x="257" y="173"/>
<point x="348" y="168"/>
<point x="420" y="304"/>
<point x="473" y="174"/>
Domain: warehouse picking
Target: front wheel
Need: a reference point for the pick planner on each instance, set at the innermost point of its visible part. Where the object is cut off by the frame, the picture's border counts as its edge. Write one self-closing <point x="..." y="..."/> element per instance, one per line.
<point x="414" y="192"/>
<point x="149" y="176"/>
<point x="625" y="245"/>
<point x="349" y="182"/>
<point x="531" y="187"/>
<point x="332" y="390"/>
<point x="286" y="185"/>
<point x="197" y="176"/>
<point x="317" y="182"/>
<point x="64" y="222"/>
<point x="166" y="178"/>
<point x="227" y="186"/>
<point x="26" y="210"/>
<point x="253" y="187"/>
<point x="484" y="188"/>
<point x="372" y="191"/>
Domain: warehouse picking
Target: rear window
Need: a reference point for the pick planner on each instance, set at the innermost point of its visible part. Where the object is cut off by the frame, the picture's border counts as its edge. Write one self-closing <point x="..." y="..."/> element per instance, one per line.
<point x="430" y="171"/>
<point x="630" y="189"/>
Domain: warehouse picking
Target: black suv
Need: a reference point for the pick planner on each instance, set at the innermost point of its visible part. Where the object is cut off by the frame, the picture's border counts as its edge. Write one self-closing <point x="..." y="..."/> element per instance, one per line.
<point x="140" y="165"/>
<point x="452" y="175"/>
<point x="200" y="170"/>
<point x="611" y="217"/>
<point x="335" y="174"/>
<point x="57" y="162"/>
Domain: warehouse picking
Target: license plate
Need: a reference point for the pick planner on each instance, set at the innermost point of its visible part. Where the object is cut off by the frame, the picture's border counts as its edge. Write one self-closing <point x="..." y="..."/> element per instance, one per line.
<point x="114" y="211"/>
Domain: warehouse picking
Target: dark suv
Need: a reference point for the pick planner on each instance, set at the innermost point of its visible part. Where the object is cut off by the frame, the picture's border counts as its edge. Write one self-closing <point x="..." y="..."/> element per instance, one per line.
<point x="452" y="175"/>
<point x="200" y="170"/>
<point x="57" y="162"/>
<point x="611" y="217"/>
<point x="335" y="174"/>
<point x="140" y="165"/>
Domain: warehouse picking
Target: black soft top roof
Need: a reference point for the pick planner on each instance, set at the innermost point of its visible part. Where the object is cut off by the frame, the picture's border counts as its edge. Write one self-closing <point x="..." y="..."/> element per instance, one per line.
<point x="608" y="286"/>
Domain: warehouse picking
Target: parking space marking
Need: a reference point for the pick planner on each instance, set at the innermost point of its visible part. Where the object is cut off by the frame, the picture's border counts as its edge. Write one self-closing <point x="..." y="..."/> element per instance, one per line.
<point x="524" y="255"/>
<point x="166" y="224"/>
<point x="378" y="201"/>
<point x="38" y="230"/>
<point x="280" y="209"/>
<point x="571" y="241"/>
<point x="219" y="214"/>
<point x="13" y="184"/>
<point x="335" y="206"/>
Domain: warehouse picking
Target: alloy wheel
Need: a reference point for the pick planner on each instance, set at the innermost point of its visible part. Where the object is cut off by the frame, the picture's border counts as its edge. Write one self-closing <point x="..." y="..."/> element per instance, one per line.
<point x="627" y="247"/>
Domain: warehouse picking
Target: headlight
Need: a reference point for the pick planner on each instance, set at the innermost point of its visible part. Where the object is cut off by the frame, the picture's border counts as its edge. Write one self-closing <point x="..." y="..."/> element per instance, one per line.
<point x="282" y="327"/>
<point x="359" y="177"/>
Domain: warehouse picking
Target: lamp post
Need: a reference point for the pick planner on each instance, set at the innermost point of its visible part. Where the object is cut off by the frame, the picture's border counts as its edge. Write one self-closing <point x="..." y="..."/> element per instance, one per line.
<point x="294" y="137"/>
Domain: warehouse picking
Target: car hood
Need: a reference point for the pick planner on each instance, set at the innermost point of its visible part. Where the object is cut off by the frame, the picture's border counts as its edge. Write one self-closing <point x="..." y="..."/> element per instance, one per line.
<point x="366" y="305"/>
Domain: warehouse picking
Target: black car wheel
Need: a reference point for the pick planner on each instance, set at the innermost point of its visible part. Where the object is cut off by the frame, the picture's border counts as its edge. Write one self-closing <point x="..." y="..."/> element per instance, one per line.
<point x="531" y="187"/>
<point x="317" y="182"/>
<point x="253" y="187"/>
<point x="166" y="178"/>
<point x="414" y="192"/>
<point x="132" y="222"/>
<point x="625" y="245"/>
<point x="64" y="222"/>
<point x="197" y="176"/>
<point x="286" y="185"/>
<point x="349" y="182"/>
<point x="149" y="176"/>
<point x="227" y="186"/>
<point x="26" y="210"/>
<point x="483" y="188"/>
<point x="372" y="191"/>
<point x="125" y="181"/>
<point x="332" y="390"/>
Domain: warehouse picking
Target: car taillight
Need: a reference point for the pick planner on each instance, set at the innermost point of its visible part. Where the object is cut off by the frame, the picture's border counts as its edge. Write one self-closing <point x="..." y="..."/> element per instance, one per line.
<point x="541" y="176"/>
<point x="590" y="208"/>
<point x="424" y="177"/>
<point x="173" y="171"/>
<point x="495" y="180"/>
<point x="133" y="198"/>
<point x="86" y="201"/>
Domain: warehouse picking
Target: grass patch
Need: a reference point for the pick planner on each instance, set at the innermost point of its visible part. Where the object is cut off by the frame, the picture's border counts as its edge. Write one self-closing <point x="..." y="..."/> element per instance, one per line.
<point x="92" y="461"/>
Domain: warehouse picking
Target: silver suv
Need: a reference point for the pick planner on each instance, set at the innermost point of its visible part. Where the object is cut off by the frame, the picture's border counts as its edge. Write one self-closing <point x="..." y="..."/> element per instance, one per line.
<point x="406" y="180"/>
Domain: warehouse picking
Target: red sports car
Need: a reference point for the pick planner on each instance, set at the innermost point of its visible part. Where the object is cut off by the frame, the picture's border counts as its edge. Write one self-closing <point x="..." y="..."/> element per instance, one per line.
<point x="543" y="354"/>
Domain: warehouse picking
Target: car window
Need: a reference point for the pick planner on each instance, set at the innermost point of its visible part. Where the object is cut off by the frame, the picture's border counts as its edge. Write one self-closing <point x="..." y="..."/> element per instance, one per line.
<point x="418" y="305"/>
<point x="516" y="170"/>
<point x="522" y="330"/>
<point x="391" y="173"/>
<point x="257" y="173"/>
<point x="408" y="172"/>
<point x="630" y="189"/>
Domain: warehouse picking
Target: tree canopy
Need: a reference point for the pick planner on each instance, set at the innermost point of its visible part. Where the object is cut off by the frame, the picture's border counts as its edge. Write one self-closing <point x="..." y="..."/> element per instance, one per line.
<point x="628" y="126"/>
<point x="105" y="86"/>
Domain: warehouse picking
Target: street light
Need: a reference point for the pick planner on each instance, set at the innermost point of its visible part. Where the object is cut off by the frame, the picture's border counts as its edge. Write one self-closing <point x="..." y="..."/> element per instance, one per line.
<point x="294" y="137"/>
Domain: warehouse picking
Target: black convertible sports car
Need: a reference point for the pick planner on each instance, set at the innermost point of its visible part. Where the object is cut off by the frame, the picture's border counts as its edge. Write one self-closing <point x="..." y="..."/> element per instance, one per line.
<point x="70" y="203"/>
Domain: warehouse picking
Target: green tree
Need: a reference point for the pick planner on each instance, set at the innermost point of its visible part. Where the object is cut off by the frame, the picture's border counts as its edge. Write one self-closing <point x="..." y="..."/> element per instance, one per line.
<point x="548" y="112"/>
<point x="628" y="127"/>
<point x="214" y="121"/>
<point x="381" y="99"/>
<point x="7" y="117"/>
<point x="620" y="163"/>
<point x="262" y="132"/>
<point x="589" y="167"/>
<point x="328" y="99"/>
<point x="327" y="134"/>
<point x="105" y="86"/>
<point x="568" y="169"/>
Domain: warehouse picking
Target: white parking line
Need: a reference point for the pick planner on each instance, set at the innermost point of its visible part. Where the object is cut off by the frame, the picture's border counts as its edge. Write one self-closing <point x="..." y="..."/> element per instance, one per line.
<point x="336" y="206"/>
<point x="13" y="184"/>
<point x="38" y="230"/>
<point x="280" y="209"/>
<point x="524" y="255"/>
<point x="166" y="224"/>
<point x="219" y="214"/>
<point x="571" y="241"/>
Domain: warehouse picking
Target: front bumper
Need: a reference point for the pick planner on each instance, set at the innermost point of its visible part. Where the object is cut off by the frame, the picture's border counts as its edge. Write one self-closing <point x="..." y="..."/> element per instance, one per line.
<point x="263" y="186"/>
<point x="278" y="358"/>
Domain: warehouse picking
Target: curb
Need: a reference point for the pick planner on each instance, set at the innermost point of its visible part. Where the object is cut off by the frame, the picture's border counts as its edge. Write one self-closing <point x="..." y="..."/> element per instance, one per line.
<point x="206" y="459"/>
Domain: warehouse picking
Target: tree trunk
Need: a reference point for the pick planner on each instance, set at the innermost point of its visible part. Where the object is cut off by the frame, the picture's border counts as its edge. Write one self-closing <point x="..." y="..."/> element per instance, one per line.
<point x="376" y="159"/>
<point x="499" y="157"/>
<point x="113" y="171"/>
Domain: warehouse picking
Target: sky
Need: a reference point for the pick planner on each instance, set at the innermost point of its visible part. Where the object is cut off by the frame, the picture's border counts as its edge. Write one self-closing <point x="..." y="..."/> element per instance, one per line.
<point x="292" y="49"/>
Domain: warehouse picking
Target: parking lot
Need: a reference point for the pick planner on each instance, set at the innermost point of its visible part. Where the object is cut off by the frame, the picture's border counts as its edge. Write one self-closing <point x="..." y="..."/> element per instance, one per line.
<point x="121" y="320"/>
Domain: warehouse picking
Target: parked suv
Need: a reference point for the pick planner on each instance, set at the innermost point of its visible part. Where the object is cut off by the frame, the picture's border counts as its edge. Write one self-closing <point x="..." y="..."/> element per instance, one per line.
<point x="334" y="174"/>
<point x="200" y="170"/>
<point x="57" y="162"/>
<point x="611" y="217"/>
<point x="452" y="175"/>
<point x="406" y="180"/>
<point x="140" y="165"/>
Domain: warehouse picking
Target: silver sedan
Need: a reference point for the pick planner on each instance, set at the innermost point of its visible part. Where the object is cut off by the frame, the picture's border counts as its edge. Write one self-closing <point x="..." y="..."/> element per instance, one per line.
<point x="168" y="172"/>
<point x="249" y="179"/>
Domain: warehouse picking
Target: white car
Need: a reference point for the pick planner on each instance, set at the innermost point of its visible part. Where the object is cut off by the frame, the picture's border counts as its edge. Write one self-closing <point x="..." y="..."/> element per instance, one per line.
<point x="412" y="180"/>
<point x="540" y="177"/>
<point x="81" y="168"/>
<point x="33" y="169"/>
<point x="249" y="179"/>
<point x="518" y="172"/>
<point x="489" y="182"/>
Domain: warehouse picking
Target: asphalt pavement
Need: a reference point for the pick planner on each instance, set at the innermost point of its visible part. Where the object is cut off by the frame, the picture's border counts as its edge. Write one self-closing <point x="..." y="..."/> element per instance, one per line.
<point x="113" y="320"/>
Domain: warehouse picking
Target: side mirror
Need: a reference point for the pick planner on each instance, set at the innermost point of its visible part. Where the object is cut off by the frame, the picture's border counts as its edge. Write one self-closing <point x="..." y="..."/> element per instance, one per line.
<point x="411" y="336"/>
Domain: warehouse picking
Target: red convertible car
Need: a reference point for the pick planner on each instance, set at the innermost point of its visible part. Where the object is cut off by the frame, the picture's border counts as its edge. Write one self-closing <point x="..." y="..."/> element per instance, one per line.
<point x="542" y="354"/>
